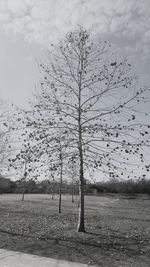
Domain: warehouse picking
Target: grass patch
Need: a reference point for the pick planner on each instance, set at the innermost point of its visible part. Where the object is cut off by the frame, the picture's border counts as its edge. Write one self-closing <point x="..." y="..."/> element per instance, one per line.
<point x="118" y="231"/>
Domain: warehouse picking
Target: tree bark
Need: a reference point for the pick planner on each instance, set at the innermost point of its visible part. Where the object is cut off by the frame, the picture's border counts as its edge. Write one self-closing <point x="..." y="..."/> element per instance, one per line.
<point x="60" y="184"/>
<point x="23" y="189"/>
<point x="23" y="196"/>
<point x="52" y="194"/>
<point x="24" y="180"/>
<point x="60" y="197"/>
<point x="72" y="199"/>
<point x="81" y="226"/>
<point x="72" y="195"/>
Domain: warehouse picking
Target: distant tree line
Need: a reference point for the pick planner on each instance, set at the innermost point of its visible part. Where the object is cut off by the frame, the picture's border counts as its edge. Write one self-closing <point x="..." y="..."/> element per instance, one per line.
<point x="131" y="186"/>
<point x="6" y="185"/>
<point x="52" y="187"/>
<point x="36" y="187"/>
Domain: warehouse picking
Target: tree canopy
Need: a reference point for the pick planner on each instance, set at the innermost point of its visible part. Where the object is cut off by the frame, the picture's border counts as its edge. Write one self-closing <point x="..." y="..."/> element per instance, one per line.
<point x="88" y="102"/>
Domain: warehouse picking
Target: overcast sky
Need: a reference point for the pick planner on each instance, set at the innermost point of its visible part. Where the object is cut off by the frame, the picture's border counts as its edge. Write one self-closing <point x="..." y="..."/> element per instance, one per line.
<point x="27" y="27"/>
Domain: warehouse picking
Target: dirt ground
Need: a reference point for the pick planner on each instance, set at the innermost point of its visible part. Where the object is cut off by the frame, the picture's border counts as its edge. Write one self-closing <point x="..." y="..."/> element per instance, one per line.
<point x="117" y="229"/>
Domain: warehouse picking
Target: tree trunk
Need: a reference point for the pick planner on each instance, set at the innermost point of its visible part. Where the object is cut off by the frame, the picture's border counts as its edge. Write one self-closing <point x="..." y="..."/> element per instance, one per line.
<point x="60" y="184"/>
<point x="72" y="195"/>
<point x="52" y="194"/>
<point x="60" y="198"/>
<point x="72" y="199"/>
<point x="52" y="188"/>
<point x="24" y="180"/>
<point x="81" y="226"/>
<point x="23" y="189"/>
<point x="23" y="196"/>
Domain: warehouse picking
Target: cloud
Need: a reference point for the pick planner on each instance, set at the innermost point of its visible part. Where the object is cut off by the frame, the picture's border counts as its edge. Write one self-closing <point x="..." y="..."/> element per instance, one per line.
<point x="46" y="21"/>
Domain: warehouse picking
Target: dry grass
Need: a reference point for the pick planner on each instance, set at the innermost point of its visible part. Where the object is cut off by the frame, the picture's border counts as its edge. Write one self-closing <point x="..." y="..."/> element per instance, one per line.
<point x="118" y="229"/>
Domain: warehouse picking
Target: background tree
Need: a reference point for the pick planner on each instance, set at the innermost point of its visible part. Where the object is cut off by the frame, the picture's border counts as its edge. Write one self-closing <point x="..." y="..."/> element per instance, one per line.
<point x="52" y="146"/>
<point x="24" y="163"/>
<point x="90" y="96"/>
<point x="6" y="133"/>
<point x="6" y="185"/>
<point x="73" y="173"/>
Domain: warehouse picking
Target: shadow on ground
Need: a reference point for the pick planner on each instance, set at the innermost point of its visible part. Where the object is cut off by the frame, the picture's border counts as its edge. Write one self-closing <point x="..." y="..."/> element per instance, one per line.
<point x="107" y="250"/>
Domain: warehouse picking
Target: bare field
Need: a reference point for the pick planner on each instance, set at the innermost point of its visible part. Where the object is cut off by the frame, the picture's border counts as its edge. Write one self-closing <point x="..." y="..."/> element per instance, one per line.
<point x="118" y="229"/>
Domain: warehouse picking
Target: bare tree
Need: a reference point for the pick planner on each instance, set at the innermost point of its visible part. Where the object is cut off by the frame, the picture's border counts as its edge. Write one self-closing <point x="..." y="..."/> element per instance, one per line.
<point x="52" y="186"/>
<point x="23" y="162"/>
<point x="52" y="146"/>
<point x="6" y="133"/>
<point x="73" y="174"/>
<point x="90" y="96"/>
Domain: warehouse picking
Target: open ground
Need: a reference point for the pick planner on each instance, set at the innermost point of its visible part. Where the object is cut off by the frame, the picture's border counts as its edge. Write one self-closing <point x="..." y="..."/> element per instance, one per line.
<point x="117" y="228"/>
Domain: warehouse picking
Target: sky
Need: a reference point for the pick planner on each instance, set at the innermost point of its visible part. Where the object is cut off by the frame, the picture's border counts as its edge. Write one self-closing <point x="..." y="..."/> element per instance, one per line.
<point x="28" y="27"/>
